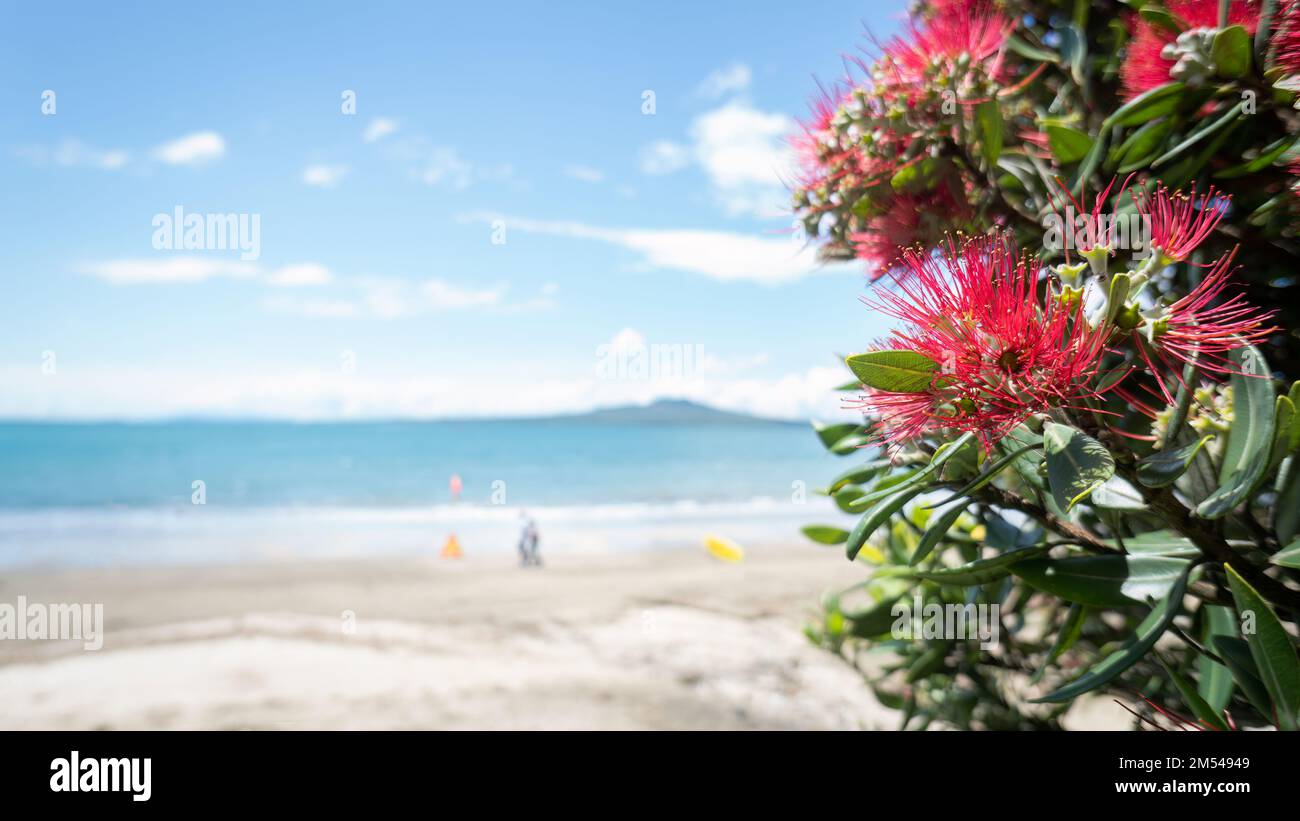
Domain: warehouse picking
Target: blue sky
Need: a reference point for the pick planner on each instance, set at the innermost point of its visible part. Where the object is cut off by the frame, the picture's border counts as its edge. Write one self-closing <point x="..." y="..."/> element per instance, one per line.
<point x="378" y="289"/>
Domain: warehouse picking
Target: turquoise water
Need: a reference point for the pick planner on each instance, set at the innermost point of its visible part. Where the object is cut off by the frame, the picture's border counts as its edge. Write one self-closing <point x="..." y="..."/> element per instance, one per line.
<point x="117" y="493"/>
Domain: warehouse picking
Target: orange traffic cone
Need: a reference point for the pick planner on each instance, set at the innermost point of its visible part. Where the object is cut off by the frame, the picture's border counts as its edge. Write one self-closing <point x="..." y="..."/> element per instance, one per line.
<point x="451" y="550"/>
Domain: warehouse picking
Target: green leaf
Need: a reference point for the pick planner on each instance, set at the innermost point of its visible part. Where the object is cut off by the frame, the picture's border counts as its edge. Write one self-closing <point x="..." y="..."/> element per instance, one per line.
<point x="830" y="434"/>
<point x="1286" y="513"/>
<point x="1271" y="648"/>
<point x="989" y="117"/>
<point x="1019" y="46"/>
<point x="981" y="571"/>
<point x="1133" y="649"/>
<point x="1215" y="684"/>
<point x="1157" y="102"/>
<point x="1026" y="464"/>
<point x="1158" y="16"/>
<point x="941" y="455"/>
<point x="1267" y="156"/>
<point x="989" y="474"/>
<point x="860" y="474"/>
<point x="1103" y="581"/>
<point x="1288" y="556"/>
<point x="1231" y="52"/>
<point x="1193" y="699"/>
<point x="875" y="517"/>
<point x="1069" y="145"/>
<point x="1077" y="464"/>
<point x="1158" y="543"/>
<point x="1163" y="467"/>
<point x="1117" y="494"/>
<point x="825" y="534"/>
<point x="1140" y="146"/>
<point x="939" y="528"/>
<point x="1235" y="653"/>
<point x="1283" y="417"/>
<point x="1249" y="438"/>
<point x="894" y="371"/>
<point x="1065" y="638"/>
<point x="1227" y="118"/>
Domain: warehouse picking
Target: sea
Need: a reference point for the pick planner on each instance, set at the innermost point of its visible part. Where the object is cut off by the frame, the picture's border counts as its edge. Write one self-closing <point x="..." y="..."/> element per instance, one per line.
<point x="110" y="494"/>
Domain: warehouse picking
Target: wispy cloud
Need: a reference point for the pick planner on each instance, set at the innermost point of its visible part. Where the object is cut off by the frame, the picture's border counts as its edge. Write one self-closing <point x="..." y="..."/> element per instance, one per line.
<point x="192" y="149"/>
<point x="584" y="173"/>
<point x="166" y="269"/>
<point x="73" y="152"/>
<point x="324" y="176"/>
<point x="392" y="298"/>
<point x="664" y="157"/>
<point x="727" y="80"/>
<point x="379" y="128"/>
<point x="721" y="255"/>
<point x="303" y="274"/>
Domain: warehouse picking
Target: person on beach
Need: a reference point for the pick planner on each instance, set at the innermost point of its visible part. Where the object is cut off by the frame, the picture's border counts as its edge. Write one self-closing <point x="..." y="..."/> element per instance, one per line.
<point x="528" y="539"/>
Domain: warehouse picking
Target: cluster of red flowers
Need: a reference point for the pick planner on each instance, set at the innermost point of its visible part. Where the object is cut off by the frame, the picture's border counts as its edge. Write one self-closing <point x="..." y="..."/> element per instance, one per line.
<point x="1147" y="64"/>
<point x="860" y="139"/>
<point x="1008" y="345"/>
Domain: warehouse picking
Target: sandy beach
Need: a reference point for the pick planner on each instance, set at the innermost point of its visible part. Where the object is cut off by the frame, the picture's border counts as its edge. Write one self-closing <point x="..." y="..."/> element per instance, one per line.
<point x="652" y="640"/>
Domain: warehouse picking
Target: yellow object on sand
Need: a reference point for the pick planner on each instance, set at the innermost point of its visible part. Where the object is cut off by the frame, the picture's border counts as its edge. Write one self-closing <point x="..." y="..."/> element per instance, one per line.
<point x="724" y="549"/>
<point x="451" y="550"/>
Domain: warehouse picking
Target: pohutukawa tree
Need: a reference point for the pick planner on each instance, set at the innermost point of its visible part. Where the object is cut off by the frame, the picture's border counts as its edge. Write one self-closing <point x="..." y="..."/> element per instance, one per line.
<point x="1080" y="220"/>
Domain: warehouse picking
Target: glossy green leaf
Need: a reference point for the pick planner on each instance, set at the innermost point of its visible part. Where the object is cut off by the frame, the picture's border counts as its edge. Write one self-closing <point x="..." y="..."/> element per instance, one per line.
<point x="981" y="571"/>
<point x="1230" y="52"/>
<point x="1198" y="706"/>
<point x="989" y="117"/>
<point x="1288" y="556"/>
<point x="1157" y="543"/>
<point x="894" y="371"/>
<point x="1133" y="649"/>
<point x="1272" y="649"/>
<point x="1157" y="102"/>
<point x="989" y="474"/>
<point x="1249" y="438"/>
<point x="1069" y="145"/>
<point x="1283" y="416"/>
<point x="1141" y="146"/>
<point x="830" y="434"/>
<point x="1163" y="467"/>
<point x="1103" y="581"/>
<point x="1215" y="680"/>
<point x="922" y="476"/>
<point x="825" y="534"/>
<point x="875" y="517"/>
<point x="859" y="475"/>
<point x="1235" y="653"/>
<point x="1077" y="464"/>
<point x="943" y="522"/>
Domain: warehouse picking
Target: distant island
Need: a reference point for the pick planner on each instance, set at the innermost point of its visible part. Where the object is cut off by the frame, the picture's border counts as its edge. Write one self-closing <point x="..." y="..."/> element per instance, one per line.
<point x="668" y="412"/>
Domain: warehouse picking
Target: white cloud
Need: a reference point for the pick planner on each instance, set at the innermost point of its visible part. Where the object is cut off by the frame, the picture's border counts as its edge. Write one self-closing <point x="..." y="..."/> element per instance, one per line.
<point x="325" y="392"/>
<point x="747" y="158"/>
<point x="192" y="149"/>
<point x="165" y="269"/>
<point x="73" y="152"/>
<point x="444" y="166"/>
<point x="379" y="128"/>
<point x="441" y="296"/>
<point x="733" y="78"/>
<point x="721" y="255"/>
<point x="324" y="176"/>
<point x="584" y="173"/>
<point x="391" y="298"/>
<point x="299" y="275"/>
<point x="664" y="157"/>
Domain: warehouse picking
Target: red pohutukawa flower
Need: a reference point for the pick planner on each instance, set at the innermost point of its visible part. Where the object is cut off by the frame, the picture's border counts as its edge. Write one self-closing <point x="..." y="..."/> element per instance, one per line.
<point x="1146" y="64"/>
<point x="1286" y="38"/>
<point x="1006" y="346"/>
<point x="1204" y="328"/>
<point x="975" y="33"/>
<point x="1180" y="222"/>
